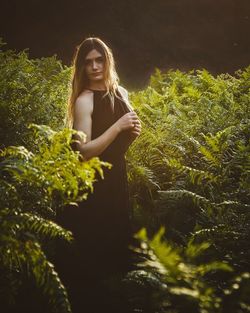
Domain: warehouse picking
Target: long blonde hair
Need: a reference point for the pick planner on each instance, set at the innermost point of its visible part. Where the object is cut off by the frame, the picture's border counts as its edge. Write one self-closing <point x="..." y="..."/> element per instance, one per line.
<point x="79" y="79"/>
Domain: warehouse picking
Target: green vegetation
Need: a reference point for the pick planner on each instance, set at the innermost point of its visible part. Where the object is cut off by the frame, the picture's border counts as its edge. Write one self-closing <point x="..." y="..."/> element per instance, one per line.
<point x="37" y="179"/>
<point x="189" y="175"/>
<point x="189" y="172"/>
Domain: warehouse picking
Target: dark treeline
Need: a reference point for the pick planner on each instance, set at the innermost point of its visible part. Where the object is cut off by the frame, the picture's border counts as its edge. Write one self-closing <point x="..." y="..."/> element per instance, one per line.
<point x="167" y="34"/>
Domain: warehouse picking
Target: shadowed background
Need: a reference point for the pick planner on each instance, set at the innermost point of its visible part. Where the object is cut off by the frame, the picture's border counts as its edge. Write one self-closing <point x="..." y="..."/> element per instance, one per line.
<point x="183" y="34"/>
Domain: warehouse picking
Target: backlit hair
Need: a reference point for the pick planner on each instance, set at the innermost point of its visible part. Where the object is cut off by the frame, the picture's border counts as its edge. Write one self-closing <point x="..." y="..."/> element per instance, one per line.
<point x="79" y="79"/>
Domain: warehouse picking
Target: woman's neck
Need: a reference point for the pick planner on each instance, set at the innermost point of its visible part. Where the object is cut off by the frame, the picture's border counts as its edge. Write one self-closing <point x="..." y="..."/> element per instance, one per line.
<point x="97" y="85"/>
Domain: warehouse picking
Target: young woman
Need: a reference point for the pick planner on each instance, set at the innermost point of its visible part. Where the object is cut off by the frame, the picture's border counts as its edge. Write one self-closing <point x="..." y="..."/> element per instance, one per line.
<point x="100" y="108"/>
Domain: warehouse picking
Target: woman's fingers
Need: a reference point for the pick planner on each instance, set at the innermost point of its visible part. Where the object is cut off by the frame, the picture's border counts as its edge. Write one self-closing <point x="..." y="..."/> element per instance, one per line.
<point x="137" y="125"/>
<point x="136" y="130"/>
<point x="134" y="115"/>
<point x="129" y="120"/>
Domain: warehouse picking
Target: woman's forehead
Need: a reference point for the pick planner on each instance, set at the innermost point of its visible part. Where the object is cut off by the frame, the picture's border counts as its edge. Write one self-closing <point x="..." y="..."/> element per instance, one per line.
<point x="93" y="54"/>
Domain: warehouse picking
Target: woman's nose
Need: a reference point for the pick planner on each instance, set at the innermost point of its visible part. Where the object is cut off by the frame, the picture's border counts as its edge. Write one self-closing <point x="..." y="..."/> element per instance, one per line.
<point x="94" y="65"/>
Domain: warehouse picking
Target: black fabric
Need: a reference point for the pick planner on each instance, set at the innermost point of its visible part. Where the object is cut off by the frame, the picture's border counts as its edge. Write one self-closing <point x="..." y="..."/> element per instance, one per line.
<point x="101" y="225"/>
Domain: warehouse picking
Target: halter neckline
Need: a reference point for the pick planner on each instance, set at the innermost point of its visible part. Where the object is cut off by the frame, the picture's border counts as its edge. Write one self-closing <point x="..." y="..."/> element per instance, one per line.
<point x="96" y="89"/>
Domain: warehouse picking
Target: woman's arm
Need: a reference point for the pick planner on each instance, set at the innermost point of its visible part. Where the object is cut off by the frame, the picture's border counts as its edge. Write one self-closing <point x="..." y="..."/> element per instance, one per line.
<point x="83" y="122"/>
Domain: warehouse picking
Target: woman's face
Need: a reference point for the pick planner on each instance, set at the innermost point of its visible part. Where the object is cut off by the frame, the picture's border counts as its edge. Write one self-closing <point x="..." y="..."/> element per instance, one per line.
<point x="94" y="66"/>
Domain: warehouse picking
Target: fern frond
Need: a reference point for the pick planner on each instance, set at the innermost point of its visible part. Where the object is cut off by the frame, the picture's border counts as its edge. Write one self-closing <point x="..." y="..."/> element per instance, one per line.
<point x="28" y="255"/>
<point x="197" y="176"/>
<point x="17" y="222"/>
<point x="176" y="195"/>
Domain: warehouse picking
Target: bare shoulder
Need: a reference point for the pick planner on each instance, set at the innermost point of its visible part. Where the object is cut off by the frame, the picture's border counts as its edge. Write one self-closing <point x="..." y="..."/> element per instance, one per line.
<point x="84" y="102"/>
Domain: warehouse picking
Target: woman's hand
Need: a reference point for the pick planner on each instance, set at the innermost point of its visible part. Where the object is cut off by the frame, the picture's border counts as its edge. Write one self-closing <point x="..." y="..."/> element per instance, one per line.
<point x="135" y="131"/>
<point x="128" y="121"/>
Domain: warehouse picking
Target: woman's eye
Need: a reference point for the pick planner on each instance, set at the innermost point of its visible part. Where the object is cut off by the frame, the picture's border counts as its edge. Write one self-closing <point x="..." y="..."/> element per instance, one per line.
<point x="100" y="59"/>
<point x="87" y="62"/>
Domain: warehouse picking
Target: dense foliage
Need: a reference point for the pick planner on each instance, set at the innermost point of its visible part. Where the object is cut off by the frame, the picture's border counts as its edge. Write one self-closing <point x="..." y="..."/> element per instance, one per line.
<point x="191" y="164"/>
<point x="188" y="174"/>
<point x="31" y="91"/>
<point x="36" y="180"/>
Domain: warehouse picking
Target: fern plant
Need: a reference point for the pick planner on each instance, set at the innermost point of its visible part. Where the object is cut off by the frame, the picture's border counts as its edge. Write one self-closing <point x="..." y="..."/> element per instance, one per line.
<point x="33" y="186"/>
<point x="195" y="144"/>
<point x="180" y="274"/>
<point x="184" y="278"/>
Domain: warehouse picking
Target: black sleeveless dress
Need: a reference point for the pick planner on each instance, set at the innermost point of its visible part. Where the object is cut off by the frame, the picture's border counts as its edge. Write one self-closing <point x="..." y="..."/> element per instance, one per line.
<point x="101" y="225"/>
